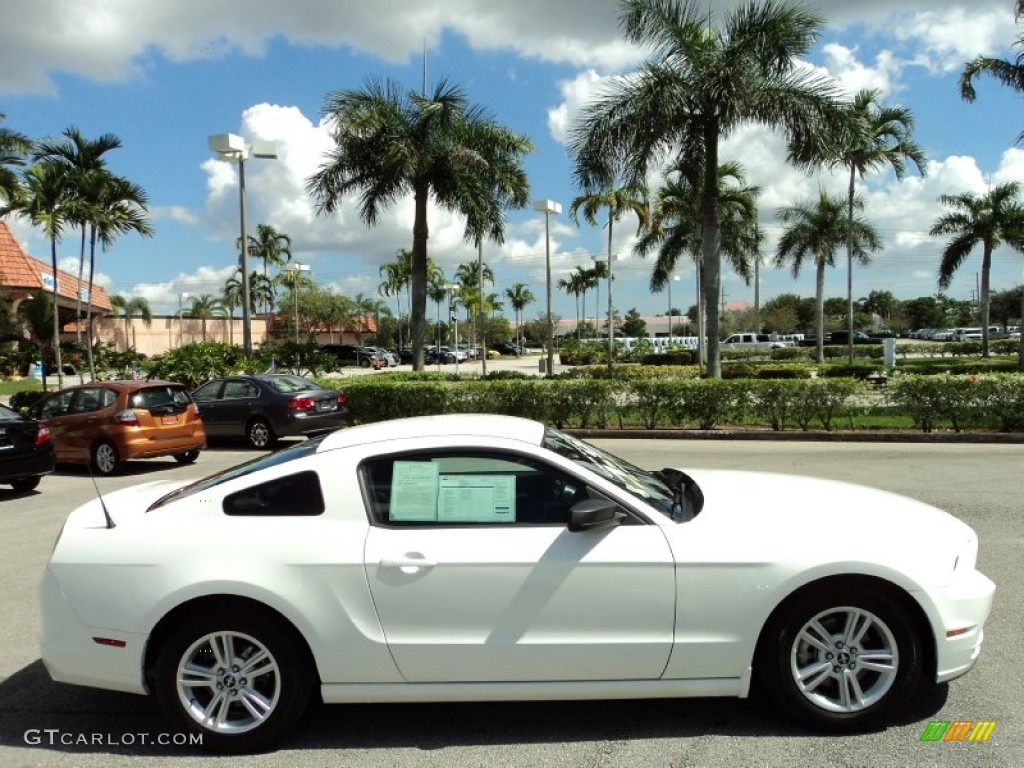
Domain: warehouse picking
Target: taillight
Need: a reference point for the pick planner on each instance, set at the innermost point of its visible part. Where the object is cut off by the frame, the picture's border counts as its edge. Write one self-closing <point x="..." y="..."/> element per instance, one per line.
<point x="342" y="400"/>
<point x="301" y="404"/>
<point x="127" y="417"/>
<point x="43" y="435"/>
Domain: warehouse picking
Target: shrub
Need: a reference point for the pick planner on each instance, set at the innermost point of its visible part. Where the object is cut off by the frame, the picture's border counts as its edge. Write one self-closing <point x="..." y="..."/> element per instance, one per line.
<point x="709" y="402"/>
<point x="26" y="398"/>
<point x="192" y="364"/>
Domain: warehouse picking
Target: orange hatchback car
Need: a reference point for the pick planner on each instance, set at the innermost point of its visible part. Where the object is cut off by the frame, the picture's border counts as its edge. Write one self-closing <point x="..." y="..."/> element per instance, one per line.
<point x="106" y="423"/>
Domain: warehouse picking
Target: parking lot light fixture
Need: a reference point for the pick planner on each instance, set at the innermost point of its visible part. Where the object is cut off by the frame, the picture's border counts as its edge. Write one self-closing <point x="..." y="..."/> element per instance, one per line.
<point x="232" y="147"/>
<point x="548" y="207"/>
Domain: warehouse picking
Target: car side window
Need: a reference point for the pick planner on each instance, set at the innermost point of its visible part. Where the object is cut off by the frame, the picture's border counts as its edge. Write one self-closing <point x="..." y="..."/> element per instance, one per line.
<point x="55" y="406"/>
<point x="297" y="495"/>
<point x="460" y="488"/>
<point x="207" y="392"/>
<point x="235" y="390"/>
<point x="87" y="400"/>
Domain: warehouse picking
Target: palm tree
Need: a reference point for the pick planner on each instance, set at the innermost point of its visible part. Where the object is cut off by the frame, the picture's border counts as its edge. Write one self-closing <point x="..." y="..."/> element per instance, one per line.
<point x="878" y="137"/>
<point x="82" y="161"/>
<point x="397" y="275"/>
<point x="231" y="298"/>
<point x="675" y="226"/>
<point x="816" y="232"/>
<point x="602" y="193"/>
<point x="117" y="206"/>
<point x="1009" y="73"/>
<point x="990" y="220"/>
<point x="14" y="147"/>
<point x="520" y="297"/>
<point x="273" y="248"/>
<point x="390" y="143"/>
<point x="206" y="306"/>
<point x="128" y="309"/>
<point x="698" y="86"/>
<point x="42" y="197"/>
<point x="573" y="286"/>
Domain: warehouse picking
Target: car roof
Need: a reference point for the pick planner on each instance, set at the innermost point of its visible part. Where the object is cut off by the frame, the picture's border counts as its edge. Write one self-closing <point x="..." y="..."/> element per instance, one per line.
<point x="471" y="425"/>
<point x="123" y="385"/>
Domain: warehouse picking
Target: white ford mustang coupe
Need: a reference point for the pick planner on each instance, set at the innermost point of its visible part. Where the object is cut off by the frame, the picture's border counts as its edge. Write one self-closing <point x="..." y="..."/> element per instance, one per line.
<point x="476" y="557"/>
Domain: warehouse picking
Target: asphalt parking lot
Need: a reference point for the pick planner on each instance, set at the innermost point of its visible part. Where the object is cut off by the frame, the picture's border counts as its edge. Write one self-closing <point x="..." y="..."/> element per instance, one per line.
<point x="978" y="483"/>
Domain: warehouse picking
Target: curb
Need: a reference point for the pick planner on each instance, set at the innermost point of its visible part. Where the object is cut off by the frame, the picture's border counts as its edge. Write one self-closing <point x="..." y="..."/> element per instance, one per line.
<point x="983" y="438"/>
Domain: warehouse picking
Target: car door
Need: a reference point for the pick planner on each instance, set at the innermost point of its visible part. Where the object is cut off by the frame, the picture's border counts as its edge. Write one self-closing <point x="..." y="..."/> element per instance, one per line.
<point x="476" y="576"/>
<point x="56" y="412"/>
<point x="239" y="400"/>
<point x="207" y="400"/>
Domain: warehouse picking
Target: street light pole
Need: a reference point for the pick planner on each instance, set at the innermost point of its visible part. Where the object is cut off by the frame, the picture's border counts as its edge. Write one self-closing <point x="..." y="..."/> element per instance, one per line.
<point x="547" y="207"/>
<point x="233" y="147"/>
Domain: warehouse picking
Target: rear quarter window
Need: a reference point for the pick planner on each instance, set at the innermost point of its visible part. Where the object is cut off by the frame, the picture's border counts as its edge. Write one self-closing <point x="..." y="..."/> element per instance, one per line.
<point x="298" y="495"/>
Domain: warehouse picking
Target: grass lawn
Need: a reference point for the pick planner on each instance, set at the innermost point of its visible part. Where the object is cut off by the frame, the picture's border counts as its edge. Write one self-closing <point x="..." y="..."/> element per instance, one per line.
<point x="9" y="387"/>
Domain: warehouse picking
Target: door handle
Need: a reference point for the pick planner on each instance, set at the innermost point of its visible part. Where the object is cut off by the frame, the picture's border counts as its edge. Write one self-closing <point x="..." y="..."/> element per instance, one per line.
<point x="407" y="563"/>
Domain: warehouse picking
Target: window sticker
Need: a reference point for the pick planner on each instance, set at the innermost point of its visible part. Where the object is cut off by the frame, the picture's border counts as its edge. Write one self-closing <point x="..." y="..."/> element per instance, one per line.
<point x="476" y="499"/>
<point x="414" y="491"/>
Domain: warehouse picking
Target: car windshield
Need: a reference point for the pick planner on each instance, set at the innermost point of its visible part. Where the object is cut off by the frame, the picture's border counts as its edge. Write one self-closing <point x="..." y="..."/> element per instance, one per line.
<point x="638" y="482"/>
<point x="291" y="384"/>
<point x="291" y="453"/>
<point x="151" y="397"/>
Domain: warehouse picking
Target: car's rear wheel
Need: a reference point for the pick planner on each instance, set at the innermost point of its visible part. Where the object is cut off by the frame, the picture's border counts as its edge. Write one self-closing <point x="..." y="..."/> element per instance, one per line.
<point x="364" y="362"/>
<point x="188" y="457"/>
<point x="260" y="434"/>
<point x="105" y="460"/>
<point x="25" y="483"/>
<point x="841" y="659"/>
<point x="241" y="680"/>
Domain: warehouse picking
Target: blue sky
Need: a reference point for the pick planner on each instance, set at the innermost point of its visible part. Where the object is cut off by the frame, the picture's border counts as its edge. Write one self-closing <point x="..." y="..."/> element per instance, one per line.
<point x="165" y="75"/>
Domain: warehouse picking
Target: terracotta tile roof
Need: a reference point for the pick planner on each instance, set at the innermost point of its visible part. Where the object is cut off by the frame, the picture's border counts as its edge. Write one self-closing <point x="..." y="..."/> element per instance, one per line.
<point x="19" y="270"/>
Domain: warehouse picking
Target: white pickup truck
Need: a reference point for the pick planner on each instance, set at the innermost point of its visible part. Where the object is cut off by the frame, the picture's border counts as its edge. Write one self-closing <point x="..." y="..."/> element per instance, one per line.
<point x="751" y="340"/>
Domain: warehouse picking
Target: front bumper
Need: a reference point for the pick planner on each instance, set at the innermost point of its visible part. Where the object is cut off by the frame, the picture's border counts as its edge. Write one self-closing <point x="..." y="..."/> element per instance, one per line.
<point x="963" y="608"/>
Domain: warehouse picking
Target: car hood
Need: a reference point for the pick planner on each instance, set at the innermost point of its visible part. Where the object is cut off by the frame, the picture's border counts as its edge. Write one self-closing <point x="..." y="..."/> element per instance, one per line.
<point x="758" y="517"/>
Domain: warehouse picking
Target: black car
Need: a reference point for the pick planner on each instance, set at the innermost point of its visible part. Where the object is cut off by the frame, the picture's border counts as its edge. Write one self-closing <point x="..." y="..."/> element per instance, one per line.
<point x="350" y="354"/>
<point x="507" y="348"/>
<point x="26" y="450"/>
<point x="267" y="406"/>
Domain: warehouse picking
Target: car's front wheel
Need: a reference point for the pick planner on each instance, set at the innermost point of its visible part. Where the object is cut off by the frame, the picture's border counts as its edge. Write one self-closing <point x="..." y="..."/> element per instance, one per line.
<point x="841" y="659"/>
<point x="260" y="434"/>
<point x="240" y="680"/>
<point x="105" y="460"/>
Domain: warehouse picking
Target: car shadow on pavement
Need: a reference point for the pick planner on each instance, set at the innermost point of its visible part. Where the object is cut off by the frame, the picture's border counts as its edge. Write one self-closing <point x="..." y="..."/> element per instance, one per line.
<point x="36" y="713"/>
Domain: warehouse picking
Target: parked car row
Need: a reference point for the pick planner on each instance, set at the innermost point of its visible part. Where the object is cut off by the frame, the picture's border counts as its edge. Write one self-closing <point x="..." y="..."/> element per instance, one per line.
<point x="960" y="334"/>
<point x="106" y="423"/>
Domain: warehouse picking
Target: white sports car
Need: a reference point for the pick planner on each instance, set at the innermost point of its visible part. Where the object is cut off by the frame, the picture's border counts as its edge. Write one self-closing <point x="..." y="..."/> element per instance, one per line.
<point x="475" y="557"/>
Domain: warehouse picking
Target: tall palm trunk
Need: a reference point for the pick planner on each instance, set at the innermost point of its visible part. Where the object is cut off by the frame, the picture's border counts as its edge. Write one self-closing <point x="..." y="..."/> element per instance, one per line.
<point x="56" y="319"/>
<point x="418" y="311"/>
<point x="986" y="266"/>
<point x="849" y="264"/>
<point x="711" y="239"/>
<point x="819" y="311"/>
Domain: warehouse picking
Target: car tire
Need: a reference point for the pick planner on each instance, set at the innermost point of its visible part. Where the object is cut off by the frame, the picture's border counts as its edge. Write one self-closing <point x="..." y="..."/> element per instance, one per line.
<point x="240" y="680"/>
<point x="23" y="484"/>
<point x="105" y="460"/>
<point x="364" y="362"/>
<point x="841" y="659"/>
<point x="260" y="435"/>
<point x="188" y="457"/>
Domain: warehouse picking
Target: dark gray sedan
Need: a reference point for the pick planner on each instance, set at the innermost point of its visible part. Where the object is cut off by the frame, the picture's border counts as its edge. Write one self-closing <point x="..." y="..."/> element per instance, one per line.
<point x="263" y="407"/>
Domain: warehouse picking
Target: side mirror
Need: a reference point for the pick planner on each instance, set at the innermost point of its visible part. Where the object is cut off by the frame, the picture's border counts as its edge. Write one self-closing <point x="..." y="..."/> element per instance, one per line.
<point x="594" y="515"/>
